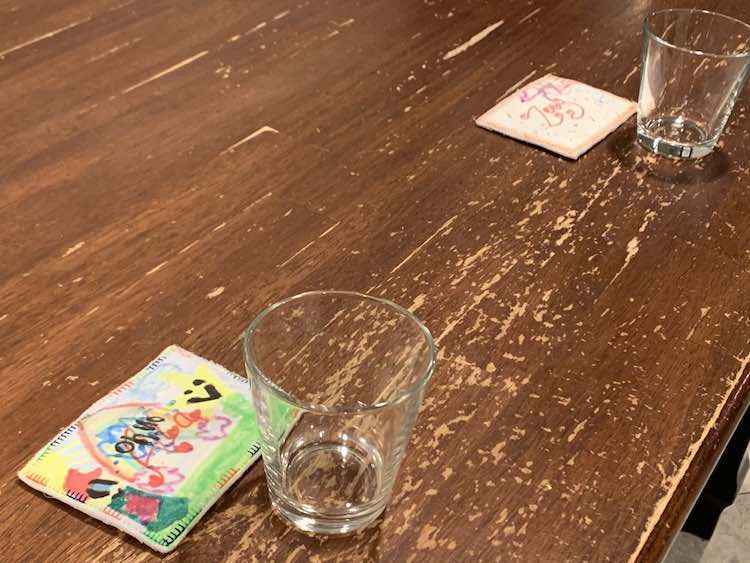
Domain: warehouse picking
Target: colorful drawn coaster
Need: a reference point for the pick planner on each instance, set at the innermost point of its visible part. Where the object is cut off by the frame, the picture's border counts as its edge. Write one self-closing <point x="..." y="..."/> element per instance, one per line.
<point x="152" y="456"/>
<point x="561" y="115"/>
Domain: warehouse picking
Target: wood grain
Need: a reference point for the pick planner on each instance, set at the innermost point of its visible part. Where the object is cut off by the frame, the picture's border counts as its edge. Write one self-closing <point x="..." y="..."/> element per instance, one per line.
<point x="169" y="168"/>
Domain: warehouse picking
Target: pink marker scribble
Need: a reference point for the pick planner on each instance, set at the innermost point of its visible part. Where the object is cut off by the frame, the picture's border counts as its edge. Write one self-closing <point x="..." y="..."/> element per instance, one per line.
<point x="555" y="111"/>
<point x="531" y="92"/>
<point x="214" y="429"/>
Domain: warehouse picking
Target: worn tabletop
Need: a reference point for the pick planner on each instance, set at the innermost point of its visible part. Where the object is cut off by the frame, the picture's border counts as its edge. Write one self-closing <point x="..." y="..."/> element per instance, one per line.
<point x="169" y="168"/>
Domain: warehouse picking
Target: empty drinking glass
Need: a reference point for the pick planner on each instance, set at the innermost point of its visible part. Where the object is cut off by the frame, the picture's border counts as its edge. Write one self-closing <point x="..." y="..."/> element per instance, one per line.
<point x="337" y="379"/>
<point x="695" y="64"/>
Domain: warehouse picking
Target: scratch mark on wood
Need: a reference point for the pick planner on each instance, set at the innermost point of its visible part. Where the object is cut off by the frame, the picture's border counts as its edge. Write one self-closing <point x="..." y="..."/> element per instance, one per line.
<point x="704" y="312"/>
<point x="473" y="41"/>
<point x="264" y="129"/>
<point x="631" y="73"/>
<point x="442" y="228"/>
<point x="257" y="201"/>
<point x="73" y="249"/>
<point x="189" y="246"/>
<point x="516" y="85"/>
<point x="416" y="304"/>
<point x="156" y="268"/>
<point x="329" y="229"/>
<point x="580" y="426"/>
<point x="215" y="293"/>
<point x="121" y="5"/>
<point x="113" y="50"/>
<point x="294" y="553"/>
<point x="529" y="16"/>
<point x="308" y="245"/>
<point x="293" y="256"/>
<point x="631" y="250"/>
<point x="43" y="37"/>
<point x="647" y="218"/>
<point x="258" y="27"/>
<point x="280" y="15"/>
<point x="165" y="71"/>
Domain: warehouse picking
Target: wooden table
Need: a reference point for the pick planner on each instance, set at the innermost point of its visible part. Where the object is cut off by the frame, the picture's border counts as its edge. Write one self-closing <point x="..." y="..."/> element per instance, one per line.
<point x="169" y="168"/>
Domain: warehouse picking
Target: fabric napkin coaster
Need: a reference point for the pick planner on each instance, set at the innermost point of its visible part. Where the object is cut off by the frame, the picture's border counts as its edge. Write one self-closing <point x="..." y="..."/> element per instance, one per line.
<point x="152" y="456"/>
<point x="561" y="115"/>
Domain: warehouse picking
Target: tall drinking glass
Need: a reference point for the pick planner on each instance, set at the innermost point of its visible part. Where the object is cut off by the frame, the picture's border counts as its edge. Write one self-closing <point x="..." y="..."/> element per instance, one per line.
<point x="337" y="379"/>
<point x="695" y="63"/>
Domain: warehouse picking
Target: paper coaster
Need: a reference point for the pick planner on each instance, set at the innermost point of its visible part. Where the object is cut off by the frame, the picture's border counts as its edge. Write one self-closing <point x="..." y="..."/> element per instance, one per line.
<point x="152" y="456"/>
<point x="561" y="115"/>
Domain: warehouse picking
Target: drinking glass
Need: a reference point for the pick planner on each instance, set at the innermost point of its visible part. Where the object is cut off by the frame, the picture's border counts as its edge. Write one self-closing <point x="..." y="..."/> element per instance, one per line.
<point x="337" y="379"/>
<point x="695" y="63"/>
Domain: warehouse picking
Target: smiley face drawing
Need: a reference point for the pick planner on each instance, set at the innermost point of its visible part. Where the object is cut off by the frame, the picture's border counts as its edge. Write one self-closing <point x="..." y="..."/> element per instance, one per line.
<point x="197" y="389"/>
<point x="211" y="393"/>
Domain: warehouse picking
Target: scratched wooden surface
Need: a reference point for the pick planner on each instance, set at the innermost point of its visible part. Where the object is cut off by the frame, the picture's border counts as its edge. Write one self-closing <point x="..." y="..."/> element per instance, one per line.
<point x="169" y="168"/>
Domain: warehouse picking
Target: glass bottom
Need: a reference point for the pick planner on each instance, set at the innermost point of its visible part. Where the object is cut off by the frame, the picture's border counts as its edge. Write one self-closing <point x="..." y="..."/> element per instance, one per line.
<point x="675" y="136"/>
<point x="322" y="525"/>
<point x="330" y="488"/>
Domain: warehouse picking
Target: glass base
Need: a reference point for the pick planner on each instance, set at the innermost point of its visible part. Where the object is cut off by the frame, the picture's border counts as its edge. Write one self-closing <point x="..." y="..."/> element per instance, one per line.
<point x="325" y="525"/>
<point x="675" y="136"/>
<point x="330" y="487"/>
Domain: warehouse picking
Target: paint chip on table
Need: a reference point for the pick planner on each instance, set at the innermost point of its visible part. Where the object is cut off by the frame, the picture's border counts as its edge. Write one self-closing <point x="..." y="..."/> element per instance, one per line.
<point x="561" y="115"/>
<point x="153" y="455"/>
<point x="215" y="293"/>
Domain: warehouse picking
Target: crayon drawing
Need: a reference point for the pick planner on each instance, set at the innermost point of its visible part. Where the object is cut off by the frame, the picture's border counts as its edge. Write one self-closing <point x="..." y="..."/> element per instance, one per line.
<point x="154" y="454"/>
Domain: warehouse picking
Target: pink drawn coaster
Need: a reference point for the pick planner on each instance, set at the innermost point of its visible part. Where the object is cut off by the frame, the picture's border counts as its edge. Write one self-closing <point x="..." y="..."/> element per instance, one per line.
<point x="561" y="115"/>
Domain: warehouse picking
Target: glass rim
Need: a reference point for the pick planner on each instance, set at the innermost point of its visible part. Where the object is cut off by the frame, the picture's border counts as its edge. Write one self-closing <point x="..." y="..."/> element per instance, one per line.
<point x="422" y="380"/>
<point x="660" y="39"/>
